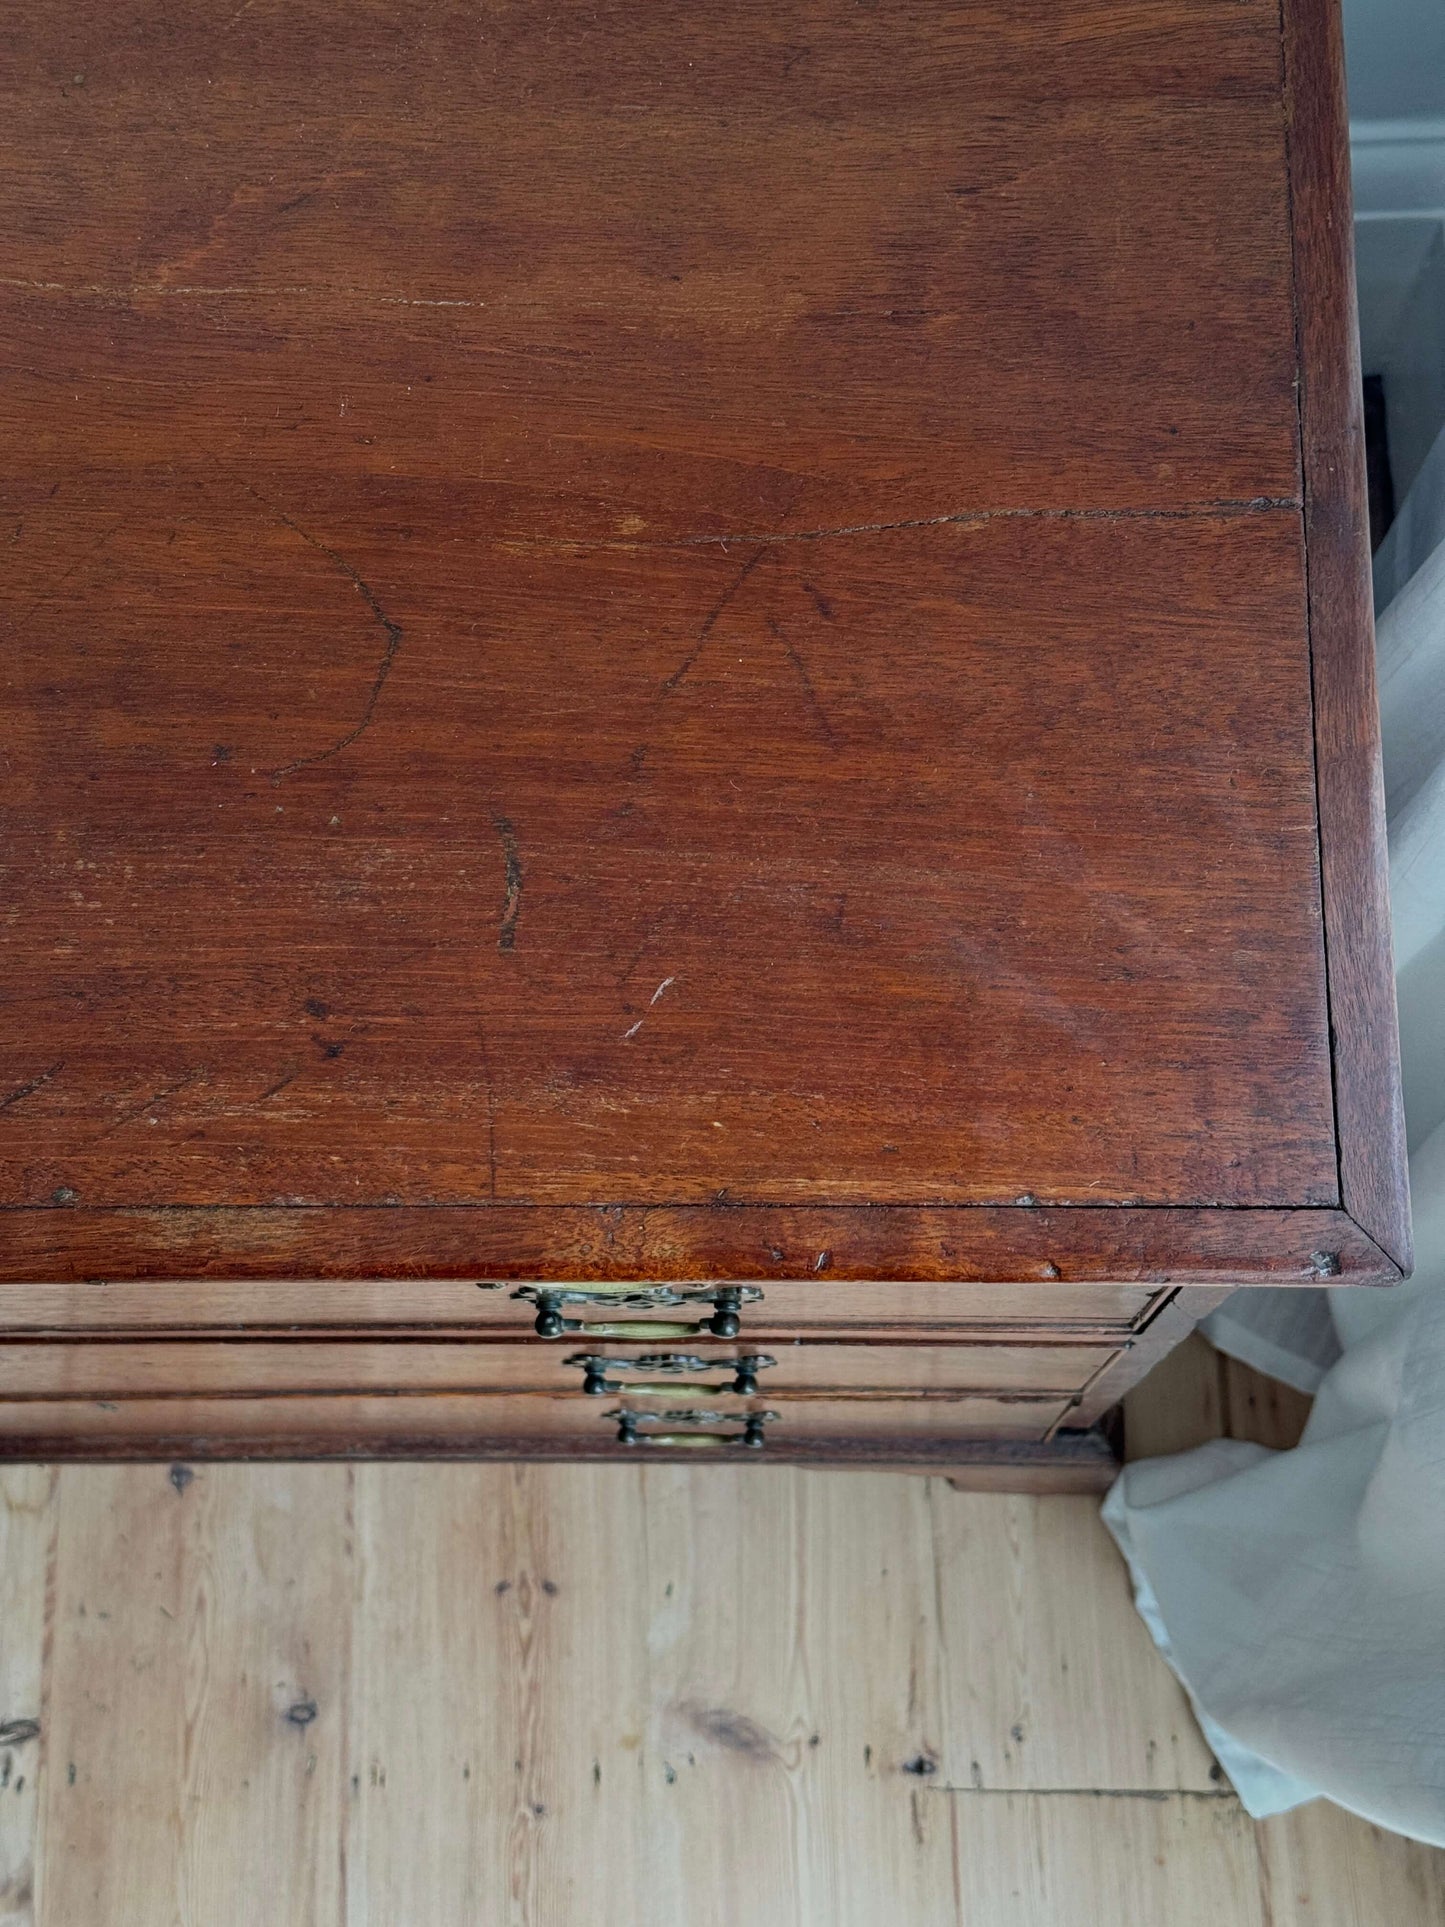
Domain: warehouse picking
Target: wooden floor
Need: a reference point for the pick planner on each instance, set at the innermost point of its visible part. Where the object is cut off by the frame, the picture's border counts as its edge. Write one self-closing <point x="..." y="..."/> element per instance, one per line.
<point x="427" y="1696"/>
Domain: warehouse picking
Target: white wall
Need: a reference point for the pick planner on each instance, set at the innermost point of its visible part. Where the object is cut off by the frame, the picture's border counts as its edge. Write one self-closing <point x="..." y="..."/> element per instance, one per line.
<point x="1395" y="55"/>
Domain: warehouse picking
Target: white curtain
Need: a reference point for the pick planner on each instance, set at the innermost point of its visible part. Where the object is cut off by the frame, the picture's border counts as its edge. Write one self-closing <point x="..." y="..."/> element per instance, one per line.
<point x="1300" y="1596"/>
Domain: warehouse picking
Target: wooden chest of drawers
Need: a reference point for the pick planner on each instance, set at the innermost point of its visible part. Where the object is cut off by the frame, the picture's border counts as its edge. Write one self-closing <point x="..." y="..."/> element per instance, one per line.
<point x="688" y="733"/>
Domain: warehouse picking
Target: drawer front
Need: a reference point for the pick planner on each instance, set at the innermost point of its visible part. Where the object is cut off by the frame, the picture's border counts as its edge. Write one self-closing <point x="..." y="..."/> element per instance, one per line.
<point x="568" y="1425"/>
<point x="129" y="1368"/>
<point x="946" y="1311"/>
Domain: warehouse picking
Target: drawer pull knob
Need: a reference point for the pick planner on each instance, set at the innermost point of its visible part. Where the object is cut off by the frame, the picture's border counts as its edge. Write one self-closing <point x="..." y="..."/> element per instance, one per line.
<point x="550" y="1322"/>
<point x="750" y="1435"/>
<point x="596" y="1383"/>
<point x="725" y="1322"/>
<point x="726" y="1300"/>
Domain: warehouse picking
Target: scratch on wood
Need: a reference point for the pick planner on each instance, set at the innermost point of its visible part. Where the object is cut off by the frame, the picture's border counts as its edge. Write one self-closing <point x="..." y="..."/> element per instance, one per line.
<point x="140" y="290"/>
<point x="661" y="991"/>
<point x="156" y="1097"/>
<point x="28" y="1089"/>
<point x="710" y="620"/>
<point x="1226" y="508"/>
<point x="392" y="631"/>
<point x="512" y="901"/>
<point x="968" y="518"/>
<point x="820" y="715"/>
<point x="54" y="582"/>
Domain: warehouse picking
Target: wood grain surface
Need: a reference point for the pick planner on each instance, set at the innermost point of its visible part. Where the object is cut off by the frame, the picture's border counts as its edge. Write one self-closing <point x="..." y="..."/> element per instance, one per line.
<point x="1197" y="1394"/>
<point x="521" y="752"/>
<point x="1353" y="855"/>
<point x="353" y="1696"/>
<point x="798" y="1313"/>
<point x="682" y="644"/>
<point x="1023" y="1245"/>
<point x="227" y="1368"/>
<point x="559" y="927"/>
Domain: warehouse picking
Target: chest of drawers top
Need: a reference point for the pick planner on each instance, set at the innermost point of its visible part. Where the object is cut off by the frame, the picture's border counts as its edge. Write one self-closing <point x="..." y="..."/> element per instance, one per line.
<point x="683" y="645"/>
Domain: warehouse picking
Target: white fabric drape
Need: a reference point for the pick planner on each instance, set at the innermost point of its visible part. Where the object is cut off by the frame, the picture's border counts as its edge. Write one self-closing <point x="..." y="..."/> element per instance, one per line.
<point x="1300" y="1596"/>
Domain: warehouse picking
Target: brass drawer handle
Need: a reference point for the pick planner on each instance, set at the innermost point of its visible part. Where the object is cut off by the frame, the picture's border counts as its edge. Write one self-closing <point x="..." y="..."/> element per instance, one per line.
<point x="726" y="1300"/>
<point x="750" y="1435"/>
<point x="696" y="1441"/>
<point x="549" y="1325"/>
<point x="595" y="1381"/>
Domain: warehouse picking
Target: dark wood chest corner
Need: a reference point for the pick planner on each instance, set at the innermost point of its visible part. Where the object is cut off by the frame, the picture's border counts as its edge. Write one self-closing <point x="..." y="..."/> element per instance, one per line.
<point x="688" y="728"/>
